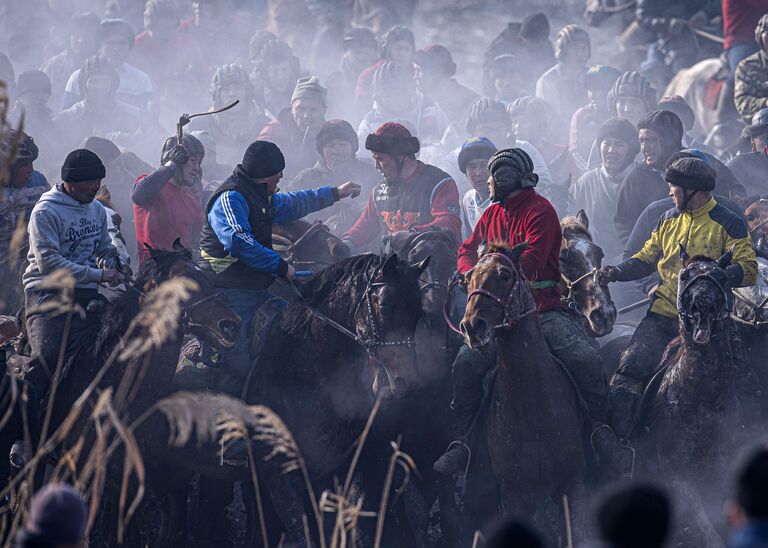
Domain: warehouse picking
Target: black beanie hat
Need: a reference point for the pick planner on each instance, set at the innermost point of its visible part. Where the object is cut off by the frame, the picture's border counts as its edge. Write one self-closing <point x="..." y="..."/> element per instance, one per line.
<point x="665" y="122"/>
<point x="262" y="159"/>
<point x="623" y="130"/>
<point x="336" y="129"/>
<point x="82" y="165"/>
<point x="691" y="173"/>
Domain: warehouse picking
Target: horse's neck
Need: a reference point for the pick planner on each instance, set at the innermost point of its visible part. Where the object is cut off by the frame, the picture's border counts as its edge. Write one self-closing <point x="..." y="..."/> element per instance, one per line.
<point x="704" y="372"/>
<point x="523" y="357"/>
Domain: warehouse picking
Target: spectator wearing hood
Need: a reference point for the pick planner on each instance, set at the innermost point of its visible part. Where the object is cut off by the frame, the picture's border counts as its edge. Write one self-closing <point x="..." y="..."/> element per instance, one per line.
<point x="116" y="40"/>
<point x="751" y="169"/>
<point x="83" y="43"/>
<point x="361" y="50"/>
<point x="436" y="77"/>
<point x="100" y="112"/>
<point x="57" y="519"/>
<point x="660" y="134"/>
<point x="562" y="86"/>
<point x="337" y="145"/>
<point x="397" y="46"/>
<point x="597" y="191"/>
<point x="396" y="98"/>
<point x="296" y="128"/>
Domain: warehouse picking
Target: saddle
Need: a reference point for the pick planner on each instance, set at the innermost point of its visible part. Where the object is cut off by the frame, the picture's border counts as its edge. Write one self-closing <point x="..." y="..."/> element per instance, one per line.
<point x="644" y="412"/>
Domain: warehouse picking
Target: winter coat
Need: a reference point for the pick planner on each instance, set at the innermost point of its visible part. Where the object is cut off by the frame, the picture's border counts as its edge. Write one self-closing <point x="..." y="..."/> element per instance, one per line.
<point x="597" y="192"/>
<point x="65" y="233"/>
<point x="472" y="208"/>
<point x="526" y="217"/>
<point x="752" y="171"/>
<point x="564" y="94"/>
<point x="750" y="92"/>
<point x="300" y="150"/>
<point x="15" y="204"/>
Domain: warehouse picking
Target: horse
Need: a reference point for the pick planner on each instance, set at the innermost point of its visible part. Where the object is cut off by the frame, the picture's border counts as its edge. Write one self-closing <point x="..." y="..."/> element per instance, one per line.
<point x="308" y="245"/>
<point x="580" y="259"/>
<point x="362" y="311"/>
<point x="693" y="398"/>
<point x="533" y="425"/>
<point x="137" y="382"/>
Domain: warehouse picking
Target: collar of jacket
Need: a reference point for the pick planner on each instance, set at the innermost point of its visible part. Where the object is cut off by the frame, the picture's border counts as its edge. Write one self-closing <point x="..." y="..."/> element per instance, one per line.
<point x="243" y="176"/>
<point x="703" y="210"/>
<point x="619" y="177"/>
<point x="513" y="203"/>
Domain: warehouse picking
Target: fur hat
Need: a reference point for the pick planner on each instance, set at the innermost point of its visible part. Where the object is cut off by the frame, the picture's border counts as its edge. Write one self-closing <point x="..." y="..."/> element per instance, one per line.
<point x="262" y="159"/>
<point x="392" y="138"/>
<point x="476" y="148"/>
<point x="336" y="129"/>
<point x="691" y="173"/>
<point x="82" y="165"/>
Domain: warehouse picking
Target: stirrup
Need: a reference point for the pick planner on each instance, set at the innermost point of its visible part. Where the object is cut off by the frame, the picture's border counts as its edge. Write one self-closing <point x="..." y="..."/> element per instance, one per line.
<point x="623" y="444"/>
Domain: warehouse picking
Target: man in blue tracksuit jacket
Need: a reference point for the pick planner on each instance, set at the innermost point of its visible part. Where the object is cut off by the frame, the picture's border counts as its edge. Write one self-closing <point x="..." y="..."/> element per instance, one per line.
<point x="236" y="242"/>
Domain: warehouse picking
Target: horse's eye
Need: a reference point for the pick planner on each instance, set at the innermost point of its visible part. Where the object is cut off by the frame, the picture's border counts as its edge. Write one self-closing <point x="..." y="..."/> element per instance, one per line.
<point x="505" y="274"/>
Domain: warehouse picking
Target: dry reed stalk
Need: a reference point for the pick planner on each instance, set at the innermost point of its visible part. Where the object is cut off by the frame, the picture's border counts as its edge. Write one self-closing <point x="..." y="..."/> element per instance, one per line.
<point x="477" y="538"/>
<point x="568" y="530"/>
<point x="13" y="398"/>
<point x="403" y="460"/>
<point x="257" y="490"/>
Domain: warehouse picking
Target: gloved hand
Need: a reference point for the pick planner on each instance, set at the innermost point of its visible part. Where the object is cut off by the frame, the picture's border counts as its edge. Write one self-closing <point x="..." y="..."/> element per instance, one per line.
<point x="178" y="156"/>
<point x="606" y="275"/>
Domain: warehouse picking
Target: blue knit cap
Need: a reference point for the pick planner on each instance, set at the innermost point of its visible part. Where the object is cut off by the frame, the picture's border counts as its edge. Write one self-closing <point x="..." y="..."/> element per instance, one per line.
<point x="473" y="149"/>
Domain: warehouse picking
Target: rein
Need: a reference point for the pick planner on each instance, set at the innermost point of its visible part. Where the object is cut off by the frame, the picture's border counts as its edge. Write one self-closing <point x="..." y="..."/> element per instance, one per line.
<point x="570" y="299"/>
<point x="512" y="315"/>
<point x="757" y="311"/>
<point x="681" y="291"/>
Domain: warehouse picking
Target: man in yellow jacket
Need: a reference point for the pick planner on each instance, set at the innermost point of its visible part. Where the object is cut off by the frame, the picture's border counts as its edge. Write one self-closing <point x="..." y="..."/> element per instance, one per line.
<point x="703" y="227"/>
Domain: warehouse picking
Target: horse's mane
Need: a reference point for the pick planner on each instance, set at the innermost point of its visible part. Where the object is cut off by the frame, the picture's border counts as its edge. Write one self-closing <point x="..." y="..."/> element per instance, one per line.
<point x="444" y="236"/>
<point x="498" y="246"/>
<point x="572" y="224"/>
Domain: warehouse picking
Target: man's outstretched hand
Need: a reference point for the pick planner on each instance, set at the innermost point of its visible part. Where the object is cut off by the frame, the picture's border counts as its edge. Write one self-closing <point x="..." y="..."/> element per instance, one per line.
<point x="111" y="277"/>
<point x="348" y="189"/>
<point x="606" y="275"/>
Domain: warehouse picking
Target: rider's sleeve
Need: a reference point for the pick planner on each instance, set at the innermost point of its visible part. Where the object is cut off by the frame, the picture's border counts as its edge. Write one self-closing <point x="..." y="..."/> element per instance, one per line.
<point x="147" y="187"/>
<point x="467" y="255"/>
<point x="366" y="228"/>
<point x="643" y="263"/>
<point x="445" y="209"/>
<point x="229" y="220"/>
<point x="742" y="272"/>
<point x="295" y="205"/>
<point x="44" y="244"/>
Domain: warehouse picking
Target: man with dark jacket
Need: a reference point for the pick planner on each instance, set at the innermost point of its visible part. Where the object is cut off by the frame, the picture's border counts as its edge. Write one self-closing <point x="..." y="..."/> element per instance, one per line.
<point x="413" y="196"/>
<point x="661" y="134"/>
<point x="520" y="215"/>
<point x="236" y="242"/>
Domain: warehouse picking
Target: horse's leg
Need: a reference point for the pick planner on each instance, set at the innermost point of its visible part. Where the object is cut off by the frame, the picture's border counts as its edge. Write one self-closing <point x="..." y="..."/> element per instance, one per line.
<point x="215" y="496"/>
<point x="287" y="493"/>
<point x="416" y="510"/>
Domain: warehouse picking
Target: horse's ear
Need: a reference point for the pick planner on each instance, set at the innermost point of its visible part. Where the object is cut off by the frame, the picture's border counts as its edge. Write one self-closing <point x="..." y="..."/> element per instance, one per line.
<point x="684" y="257"/>
<point x="516" y="252"/>
<point x="417" y="269"/>
<point x="178" y="246"/>
<point x="582" y="218"/>
<point x="725" y="260"/>
<point x="389" y="268"/>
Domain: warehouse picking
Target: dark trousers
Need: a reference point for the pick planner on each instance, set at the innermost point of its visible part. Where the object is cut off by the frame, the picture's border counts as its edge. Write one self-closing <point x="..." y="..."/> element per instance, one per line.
<point x="637" y="365"/>
<point x="45" y="331"/>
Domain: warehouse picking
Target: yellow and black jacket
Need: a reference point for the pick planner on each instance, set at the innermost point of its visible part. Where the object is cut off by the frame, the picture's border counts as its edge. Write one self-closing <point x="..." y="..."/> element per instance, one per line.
<point x="710" y="231"/>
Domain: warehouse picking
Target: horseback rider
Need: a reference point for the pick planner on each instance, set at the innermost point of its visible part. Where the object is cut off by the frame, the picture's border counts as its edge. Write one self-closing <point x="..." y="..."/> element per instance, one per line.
<point x="704" y="227"/>
<point x="67" y="230"/>
<point x="236" y="242"/>
<point x="520" y="214"/>
<point x="166" y="203"/>
<point x="413" y="197"/>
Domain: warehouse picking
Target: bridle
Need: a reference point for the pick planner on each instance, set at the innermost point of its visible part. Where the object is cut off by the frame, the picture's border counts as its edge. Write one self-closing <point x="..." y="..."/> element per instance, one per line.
<point x="511" y="304"/>
<point x="570" y="299"/>
<point x="682" y="289"/>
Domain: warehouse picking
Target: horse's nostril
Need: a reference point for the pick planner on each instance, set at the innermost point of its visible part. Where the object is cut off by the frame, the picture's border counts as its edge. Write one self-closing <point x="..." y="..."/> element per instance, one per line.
<point x="229" y="327"/>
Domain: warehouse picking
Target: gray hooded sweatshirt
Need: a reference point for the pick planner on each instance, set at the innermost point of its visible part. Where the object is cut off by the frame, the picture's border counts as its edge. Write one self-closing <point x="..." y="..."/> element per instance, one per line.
<point x="64" y="233"/>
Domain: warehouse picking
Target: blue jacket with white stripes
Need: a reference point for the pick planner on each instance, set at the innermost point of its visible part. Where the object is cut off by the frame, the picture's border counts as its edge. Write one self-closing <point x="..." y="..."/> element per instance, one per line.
<point x="236" y="242"/>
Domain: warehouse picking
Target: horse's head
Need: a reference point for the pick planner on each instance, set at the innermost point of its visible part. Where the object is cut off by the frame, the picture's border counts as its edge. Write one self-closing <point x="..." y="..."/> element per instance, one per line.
<point x="703" y="295"/>
<point x="388" y="314"/>
<point x="580" y="258"/>
<point x="207" y="314"/>
<point x="497" y="294"/>
<point x="309" y="244"/>
<point x="440" y="247"/>
<point x="757" y="220"/>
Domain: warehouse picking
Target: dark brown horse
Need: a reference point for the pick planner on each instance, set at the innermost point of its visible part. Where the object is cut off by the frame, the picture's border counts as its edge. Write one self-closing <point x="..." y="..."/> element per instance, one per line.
<point x="694" y="409"/>
<point x="533" y="426"/>
<point x="580" y="258"/>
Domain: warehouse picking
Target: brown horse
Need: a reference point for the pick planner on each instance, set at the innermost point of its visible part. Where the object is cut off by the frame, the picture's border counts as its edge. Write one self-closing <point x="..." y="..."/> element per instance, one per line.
<point x="534" y="422"/>
<point x="580" y="258"/>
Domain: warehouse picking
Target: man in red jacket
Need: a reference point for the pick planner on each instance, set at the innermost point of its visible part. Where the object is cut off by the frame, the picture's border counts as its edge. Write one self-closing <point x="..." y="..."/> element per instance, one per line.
<point x="519" y="215"/>
<point x="166" y="203"/>
<point x="413" y="197"/>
